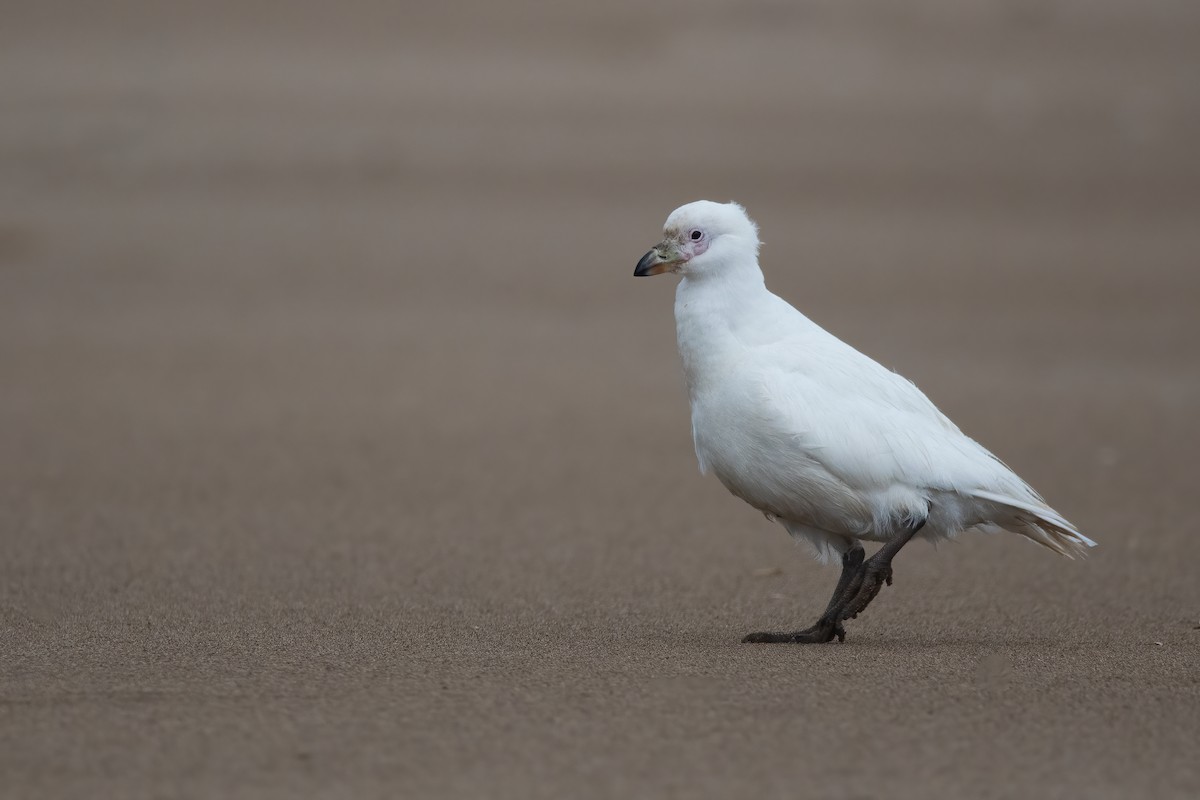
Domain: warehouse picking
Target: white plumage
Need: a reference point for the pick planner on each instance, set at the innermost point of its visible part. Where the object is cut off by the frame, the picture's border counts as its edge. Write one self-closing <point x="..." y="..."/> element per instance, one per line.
<point x="808" y="430"/>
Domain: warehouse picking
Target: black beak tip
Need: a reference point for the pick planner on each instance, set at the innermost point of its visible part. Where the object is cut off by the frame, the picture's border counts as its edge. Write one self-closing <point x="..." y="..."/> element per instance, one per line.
<point x="643" y="266"/>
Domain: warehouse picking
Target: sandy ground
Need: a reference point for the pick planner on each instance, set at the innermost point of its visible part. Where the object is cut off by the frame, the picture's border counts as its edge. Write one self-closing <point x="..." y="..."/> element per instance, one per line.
<point x="340" y="453"/>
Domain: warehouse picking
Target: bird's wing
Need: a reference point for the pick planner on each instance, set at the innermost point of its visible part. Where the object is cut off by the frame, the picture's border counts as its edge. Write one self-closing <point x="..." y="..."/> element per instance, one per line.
<point x="868" y="426"/>
<point x="838" y="420"/>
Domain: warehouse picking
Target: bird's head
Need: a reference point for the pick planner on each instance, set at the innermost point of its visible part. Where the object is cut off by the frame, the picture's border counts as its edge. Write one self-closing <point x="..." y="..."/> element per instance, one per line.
<point x="702" y="238"/>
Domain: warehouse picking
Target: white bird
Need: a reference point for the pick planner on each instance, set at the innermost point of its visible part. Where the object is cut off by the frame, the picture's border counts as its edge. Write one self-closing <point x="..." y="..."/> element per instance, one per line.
<point x="815" y="434"/>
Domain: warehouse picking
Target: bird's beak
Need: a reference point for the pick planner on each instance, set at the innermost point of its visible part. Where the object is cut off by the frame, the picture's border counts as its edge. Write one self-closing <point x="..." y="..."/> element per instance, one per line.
<point x="665" y="257"/>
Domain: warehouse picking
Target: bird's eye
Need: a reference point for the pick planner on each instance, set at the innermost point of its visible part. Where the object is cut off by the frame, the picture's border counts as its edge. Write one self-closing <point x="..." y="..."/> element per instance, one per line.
<point x="695" y="236"/>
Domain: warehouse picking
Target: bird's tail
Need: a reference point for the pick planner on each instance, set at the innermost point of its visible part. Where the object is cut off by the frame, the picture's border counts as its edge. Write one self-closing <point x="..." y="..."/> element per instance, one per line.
<point x="1038" y="522"/>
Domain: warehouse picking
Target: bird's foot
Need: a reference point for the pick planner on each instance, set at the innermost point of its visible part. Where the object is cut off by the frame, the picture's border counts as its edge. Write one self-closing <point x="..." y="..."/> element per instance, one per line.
<point x="823" y="631"/>
<point x="874" y="576"/>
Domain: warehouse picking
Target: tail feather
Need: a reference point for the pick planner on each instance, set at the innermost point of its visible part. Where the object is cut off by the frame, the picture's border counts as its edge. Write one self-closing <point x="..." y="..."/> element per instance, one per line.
<point x="1040" y="523"/>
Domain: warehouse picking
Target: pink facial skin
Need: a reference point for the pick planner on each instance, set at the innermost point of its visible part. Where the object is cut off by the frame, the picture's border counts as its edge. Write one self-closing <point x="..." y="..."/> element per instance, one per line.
<point x="692" y="248"/>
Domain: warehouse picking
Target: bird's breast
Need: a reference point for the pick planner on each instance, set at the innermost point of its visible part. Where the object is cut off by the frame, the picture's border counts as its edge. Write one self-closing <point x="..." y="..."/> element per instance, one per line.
<point x="738" y="437"/>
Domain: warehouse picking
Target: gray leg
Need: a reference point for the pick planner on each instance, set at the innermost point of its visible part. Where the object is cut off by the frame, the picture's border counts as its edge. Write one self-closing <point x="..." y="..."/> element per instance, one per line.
<point x="856" y="588"/>
<point x="830" y="623"/>
<point x="876" y="572"/>
<point x="852" y="561"/>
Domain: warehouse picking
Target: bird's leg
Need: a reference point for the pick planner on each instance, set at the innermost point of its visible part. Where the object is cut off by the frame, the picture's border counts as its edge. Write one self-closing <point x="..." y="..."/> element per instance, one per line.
<point x="830" y="623"/>
<point x="876" y="571"/>
<point x="848" y="583"/>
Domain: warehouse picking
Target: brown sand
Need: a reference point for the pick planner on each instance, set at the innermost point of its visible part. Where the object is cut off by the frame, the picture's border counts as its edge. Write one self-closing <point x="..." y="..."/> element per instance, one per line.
<point x="340" y="453"/>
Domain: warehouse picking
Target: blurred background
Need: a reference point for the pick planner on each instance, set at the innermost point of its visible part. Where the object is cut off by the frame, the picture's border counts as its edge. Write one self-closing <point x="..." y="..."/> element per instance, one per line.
<point x="340" y="451"/>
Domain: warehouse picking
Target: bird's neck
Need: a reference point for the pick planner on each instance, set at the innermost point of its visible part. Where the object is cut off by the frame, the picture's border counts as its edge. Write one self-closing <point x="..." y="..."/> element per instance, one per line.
<point x="711" y="313"/>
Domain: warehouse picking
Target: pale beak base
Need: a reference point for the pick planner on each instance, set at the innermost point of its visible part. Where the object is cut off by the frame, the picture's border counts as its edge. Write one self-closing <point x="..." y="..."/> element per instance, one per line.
<point x="665" y="257"/>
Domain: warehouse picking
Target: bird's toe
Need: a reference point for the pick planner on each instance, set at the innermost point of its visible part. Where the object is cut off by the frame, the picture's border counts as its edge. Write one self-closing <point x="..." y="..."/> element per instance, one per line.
<point x="818" y="634"/>
<point x="767" y="637"/>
